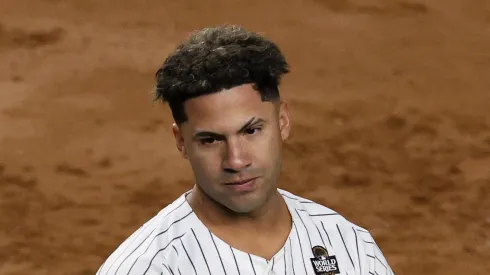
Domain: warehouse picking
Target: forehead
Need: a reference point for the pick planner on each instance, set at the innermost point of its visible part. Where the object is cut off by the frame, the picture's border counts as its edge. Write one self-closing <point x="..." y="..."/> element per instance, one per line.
<point x="227" y="109"/>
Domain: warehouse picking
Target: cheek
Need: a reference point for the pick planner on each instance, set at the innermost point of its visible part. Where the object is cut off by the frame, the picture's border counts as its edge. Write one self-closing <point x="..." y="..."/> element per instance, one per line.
<point x="205" y="164"/>
<point x="268" y="149"/>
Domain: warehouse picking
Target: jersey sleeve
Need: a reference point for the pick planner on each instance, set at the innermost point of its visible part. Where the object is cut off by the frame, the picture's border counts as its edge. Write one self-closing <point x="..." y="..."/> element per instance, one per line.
<point x="144" y="264"/>
<point x="140" y="254"/>
<point x="373" y="259"/>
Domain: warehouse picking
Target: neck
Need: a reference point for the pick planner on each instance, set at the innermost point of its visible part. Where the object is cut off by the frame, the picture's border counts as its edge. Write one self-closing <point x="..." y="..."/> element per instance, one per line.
<point x="212" y="213"/>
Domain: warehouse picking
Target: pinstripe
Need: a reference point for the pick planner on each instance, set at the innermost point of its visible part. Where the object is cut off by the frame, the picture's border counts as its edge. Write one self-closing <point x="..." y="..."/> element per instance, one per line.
<point x="306" y="228"/>
<point x="285" y="269"/>
<point x="381" y="262"/>
<point x="357" y="246"/>
<point x="237" y="268"/>
<point x="251" y="263"/>
<point x="173" y="246"/>
<point x="154" y="256"/>
<point x="296" y="199"/>
<point x="174" y="222"/>
<point x="374" y="262"/>
<point x="323" y="226"/>
<point x="291" y="252"/>
<point x="381" y="253"/>
<point x="300" y="247"/>
<point x="133" y="251"/>
<point x="326" y="214"/>
<point x="168" y="268"/>
<point x="187" y="253"/>
<point x="135" y="238"/>
<point x="362" y="230"/>
<point x="347" y="250"/>
<point x="129" y="255"/>
<point x="202" y="252"/>
<point x="161" y="233"/>
<point x="217" y="250"/>
<point x="171" y="271"/>
<point x="323" y="242"/>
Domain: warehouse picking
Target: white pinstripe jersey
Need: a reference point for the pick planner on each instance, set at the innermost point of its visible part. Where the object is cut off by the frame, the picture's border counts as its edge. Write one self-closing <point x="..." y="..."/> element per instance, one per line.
<point x="176" y="242"/>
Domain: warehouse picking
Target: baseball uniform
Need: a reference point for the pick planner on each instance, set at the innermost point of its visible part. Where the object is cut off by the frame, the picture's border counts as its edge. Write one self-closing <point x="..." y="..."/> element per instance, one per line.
<point x="175" y="241"/>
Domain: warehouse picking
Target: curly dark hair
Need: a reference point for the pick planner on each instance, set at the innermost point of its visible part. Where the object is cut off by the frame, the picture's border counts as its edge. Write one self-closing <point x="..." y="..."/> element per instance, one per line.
<point x="213" y="59"/>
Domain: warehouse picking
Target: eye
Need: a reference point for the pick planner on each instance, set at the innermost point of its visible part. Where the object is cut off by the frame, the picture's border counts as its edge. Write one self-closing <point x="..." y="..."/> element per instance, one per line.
<point x="251" y="131"/>
<point x="209" y="140"/>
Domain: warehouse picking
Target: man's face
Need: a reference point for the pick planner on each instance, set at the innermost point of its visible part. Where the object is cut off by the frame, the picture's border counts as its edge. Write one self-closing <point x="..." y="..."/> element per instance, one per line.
<point x="233" y="141"/>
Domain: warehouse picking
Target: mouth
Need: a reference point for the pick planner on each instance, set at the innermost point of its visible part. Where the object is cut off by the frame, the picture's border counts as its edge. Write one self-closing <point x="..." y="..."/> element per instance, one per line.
<point x="240" y="182"/>
<point x="243" y="186"/>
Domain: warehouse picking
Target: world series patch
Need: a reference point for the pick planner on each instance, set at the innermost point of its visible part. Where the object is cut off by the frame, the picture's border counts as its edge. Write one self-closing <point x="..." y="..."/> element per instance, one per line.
<point x="324" y="264"/>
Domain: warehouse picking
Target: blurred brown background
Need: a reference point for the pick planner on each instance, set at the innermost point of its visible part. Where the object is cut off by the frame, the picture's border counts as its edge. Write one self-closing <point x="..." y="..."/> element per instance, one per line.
<point x="389" y="102"/>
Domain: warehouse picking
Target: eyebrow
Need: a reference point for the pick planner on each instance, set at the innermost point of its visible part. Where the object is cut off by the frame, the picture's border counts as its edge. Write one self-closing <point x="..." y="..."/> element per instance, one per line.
<point x="248" y="124"/>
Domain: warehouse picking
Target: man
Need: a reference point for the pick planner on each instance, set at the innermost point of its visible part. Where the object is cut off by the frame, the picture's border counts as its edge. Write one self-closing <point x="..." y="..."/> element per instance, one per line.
<point x="230" y="122"/>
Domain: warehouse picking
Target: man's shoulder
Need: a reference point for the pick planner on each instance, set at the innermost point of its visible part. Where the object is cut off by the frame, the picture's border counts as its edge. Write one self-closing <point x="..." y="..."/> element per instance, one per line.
<point x="172" y="220"/>
<point x="137" y="250"/>
<point x="318" y="212"/>
<point x="313" y="208"/>
<point x="328" y="220"/>
<point x="343" y="234"/>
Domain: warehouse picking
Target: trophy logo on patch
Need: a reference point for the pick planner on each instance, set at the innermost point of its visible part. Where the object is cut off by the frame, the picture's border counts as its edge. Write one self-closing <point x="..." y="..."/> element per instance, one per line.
<point x="322" y="263"/>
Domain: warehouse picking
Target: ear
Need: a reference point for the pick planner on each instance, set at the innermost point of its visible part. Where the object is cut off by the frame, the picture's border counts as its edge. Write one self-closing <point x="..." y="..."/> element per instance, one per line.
<point x="284" y="120"/>
<point x="179" y="140"/>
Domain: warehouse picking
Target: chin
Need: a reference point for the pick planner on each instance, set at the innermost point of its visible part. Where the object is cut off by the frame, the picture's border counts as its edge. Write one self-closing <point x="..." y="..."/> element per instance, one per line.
<point x="242" y="210"/>
<point x="245" y="205"/>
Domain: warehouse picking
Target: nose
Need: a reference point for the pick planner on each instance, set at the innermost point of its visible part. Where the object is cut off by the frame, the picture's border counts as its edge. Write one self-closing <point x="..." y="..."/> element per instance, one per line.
<point x="236" y="157"/>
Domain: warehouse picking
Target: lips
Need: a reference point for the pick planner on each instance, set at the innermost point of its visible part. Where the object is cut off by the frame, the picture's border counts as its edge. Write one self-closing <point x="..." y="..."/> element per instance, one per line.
<point x="240" y="182"/>
<point x="243" y="186"/>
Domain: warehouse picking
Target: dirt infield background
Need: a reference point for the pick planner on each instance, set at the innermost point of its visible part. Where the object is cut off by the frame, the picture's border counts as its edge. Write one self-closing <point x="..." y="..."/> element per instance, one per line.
<point x="389" y="103"/>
